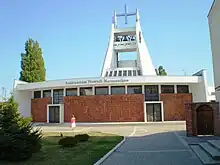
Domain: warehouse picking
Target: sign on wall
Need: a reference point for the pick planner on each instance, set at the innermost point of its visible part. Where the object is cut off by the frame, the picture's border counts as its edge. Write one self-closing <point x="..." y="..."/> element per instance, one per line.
<point x="125" y="38"/>
<point x="100" y="81"/>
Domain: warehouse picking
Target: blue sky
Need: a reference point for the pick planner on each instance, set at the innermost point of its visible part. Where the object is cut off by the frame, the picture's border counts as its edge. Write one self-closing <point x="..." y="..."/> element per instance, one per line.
<point x="74" y="35"/>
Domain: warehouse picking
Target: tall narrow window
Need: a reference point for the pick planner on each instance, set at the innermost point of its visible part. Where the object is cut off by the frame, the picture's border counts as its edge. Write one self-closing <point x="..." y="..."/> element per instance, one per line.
<point x="167" y="88"/>
<point x="46" y="93"/>
<point x="57" y="96"/>
<point x="129" y="73"/>
<point x="134" y="73"/>
<point x="106" y="74"/>
<point x="86" y="91"/>
<point x="115" y="73"/>
<point x="124" y="72"/>
<point x="110" y="74"/>
<point x="37" y="94"/>
<point x="119" y="73"/>
<point x="117" y="90"/>
<point x="139" y="72"/>
<point x="71" y="92"/>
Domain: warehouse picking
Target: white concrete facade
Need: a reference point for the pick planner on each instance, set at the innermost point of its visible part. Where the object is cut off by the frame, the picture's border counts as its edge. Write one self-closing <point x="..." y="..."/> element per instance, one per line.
<point x="127" y="40"/>
<point x="197" y="83"/>
<point x="214" y="26"/>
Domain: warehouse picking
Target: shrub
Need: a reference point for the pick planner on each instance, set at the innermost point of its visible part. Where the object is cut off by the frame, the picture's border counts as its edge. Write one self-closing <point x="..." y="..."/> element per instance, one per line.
<point x="68" y="141"/>
<point x="18" y="139"/>
<point x="82" y="137"/>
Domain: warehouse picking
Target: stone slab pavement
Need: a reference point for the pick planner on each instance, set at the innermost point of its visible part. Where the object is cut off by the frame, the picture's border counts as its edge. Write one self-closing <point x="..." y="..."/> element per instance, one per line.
<point x="146" y="144"/>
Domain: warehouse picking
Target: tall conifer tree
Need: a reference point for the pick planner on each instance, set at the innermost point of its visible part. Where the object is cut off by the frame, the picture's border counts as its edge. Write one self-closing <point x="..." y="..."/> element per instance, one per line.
<point x="32" y="63"/>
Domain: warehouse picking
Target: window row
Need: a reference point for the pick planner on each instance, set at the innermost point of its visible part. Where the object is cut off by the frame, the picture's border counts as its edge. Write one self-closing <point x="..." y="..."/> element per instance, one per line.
<point x="151" y="92"/>
<point x="123" y="73"/>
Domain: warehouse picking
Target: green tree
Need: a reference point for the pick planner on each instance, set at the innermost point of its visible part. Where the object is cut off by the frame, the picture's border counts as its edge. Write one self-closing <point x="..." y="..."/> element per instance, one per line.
<point x="32" y="63"/>
<point x="161" y="71"/>
<point x="18" y="139"/>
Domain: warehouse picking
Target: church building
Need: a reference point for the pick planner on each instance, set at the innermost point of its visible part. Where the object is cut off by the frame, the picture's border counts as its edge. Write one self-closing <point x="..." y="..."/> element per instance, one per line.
<point x="126" y="91"/>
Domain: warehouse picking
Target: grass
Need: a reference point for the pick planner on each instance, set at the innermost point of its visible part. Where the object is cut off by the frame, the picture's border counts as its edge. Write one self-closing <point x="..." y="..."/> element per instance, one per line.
<point x="84" y="153"/>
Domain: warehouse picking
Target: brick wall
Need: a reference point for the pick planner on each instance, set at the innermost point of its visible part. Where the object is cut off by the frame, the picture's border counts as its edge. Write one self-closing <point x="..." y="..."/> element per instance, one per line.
<point x="109" y="108"/>
<point x="173" y="104"/>
<point x="39" y="109"/>
<point x="191" y="117"/>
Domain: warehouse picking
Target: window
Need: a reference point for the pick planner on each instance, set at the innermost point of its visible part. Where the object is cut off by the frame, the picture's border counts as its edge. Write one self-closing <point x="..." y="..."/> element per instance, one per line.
<point x="135" y="89"/>
<point x="110" y="74"/>
<point x="167" y="88"/>
<point x="106" y="74"/>
<point x="124" y="73"/>
<point x="151" y="93"/>
<point x="129" y="73"/>
<point x="182" y="89"/>
<point x="57" y="96"/>
<point x="46" y="93"/>
<point x="139" y="72"/>
<point x="115" y="73"/>
<point x="71" y="92"/>
<point x="101" y="90"/>
<point x="86" y="91"/>
<point x="120" y="73"/>
<point x="37" y="94"/>
<point x="117" y="90"/>
<point x="134" y="73"/>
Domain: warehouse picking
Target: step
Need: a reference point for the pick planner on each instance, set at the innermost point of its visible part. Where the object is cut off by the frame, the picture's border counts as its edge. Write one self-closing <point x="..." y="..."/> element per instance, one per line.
<point x="214" y="152"/>
<point x="215" y="143"/>
<point x="205" y="158"/>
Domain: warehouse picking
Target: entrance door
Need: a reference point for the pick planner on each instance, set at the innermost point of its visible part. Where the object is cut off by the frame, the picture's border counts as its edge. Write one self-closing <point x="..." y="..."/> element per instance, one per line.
<point x="153" y="112"/>
<point x="54" y="114"/>
<point x="205" y="123"/>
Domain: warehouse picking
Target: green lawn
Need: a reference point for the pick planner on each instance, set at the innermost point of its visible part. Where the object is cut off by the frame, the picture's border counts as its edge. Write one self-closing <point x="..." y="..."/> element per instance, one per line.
<point x="84" y="153"/>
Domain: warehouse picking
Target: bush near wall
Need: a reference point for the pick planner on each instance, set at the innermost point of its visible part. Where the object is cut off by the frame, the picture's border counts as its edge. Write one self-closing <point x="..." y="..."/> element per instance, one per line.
<point x="18" y="140"/>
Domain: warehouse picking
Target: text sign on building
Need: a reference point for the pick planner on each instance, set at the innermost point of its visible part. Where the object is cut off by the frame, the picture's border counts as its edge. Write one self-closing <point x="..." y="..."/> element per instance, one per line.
<point x="100" y="81"/>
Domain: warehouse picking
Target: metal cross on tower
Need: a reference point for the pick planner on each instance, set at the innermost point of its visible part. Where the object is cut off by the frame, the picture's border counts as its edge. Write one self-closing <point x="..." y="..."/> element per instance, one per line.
<point x="126" y="14"/>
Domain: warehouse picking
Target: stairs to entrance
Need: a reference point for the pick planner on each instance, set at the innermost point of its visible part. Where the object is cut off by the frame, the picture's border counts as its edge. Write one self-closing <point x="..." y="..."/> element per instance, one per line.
<point x="208" y="152"/>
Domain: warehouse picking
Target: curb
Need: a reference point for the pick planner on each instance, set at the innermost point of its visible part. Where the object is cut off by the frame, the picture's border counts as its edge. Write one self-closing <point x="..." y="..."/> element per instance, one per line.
<point x="110" y="152"/>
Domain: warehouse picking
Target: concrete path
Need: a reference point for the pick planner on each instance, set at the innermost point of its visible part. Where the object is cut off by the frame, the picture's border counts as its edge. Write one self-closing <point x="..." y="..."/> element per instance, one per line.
<point x="164" y="148"/>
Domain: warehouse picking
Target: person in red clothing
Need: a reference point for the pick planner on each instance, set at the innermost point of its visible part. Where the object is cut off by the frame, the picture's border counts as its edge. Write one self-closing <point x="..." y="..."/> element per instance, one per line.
<point x="73" y="122"/>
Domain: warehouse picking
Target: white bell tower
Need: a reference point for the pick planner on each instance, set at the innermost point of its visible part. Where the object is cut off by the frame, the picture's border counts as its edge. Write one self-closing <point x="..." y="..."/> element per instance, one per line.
<point x="127" y="40"/>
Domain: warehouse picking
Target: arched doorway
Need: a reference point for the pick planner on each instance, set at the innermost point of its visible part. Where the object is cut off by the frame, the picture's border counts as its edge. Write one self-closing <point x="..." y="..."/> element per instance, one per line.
<point x="205" y="122"/>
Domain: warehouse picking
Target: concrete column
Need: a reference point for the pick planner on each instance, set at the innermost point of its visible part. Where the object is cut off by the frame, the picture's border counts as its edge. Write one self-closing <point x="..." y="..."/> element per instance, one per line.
<point x="126" y="89"/>
<point x="78" y="91"/>
<point x="93" y="90"/>
<point x="64" y="92"/>
<point x="109" y="90"/>
<point x="162" y="111"/>
<point x="142" y="89"/>
<point x="159" y="90"/>
<point x="41" y="94"/>
<point x="175" y="88"/>
<point x="52" y="95"/>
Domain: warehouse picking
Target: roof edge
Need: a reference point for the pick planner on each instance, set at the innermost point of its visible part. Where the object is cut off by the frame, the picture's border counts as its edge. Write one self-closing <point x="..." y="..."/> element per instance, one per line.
<point x="211" y="8"/>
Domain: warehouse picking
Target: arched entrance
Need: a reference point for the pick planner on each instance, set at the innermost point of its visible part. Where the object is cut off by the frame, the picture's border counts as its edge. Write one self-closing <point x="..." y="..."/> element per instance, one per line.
<point x="205" y="122"/>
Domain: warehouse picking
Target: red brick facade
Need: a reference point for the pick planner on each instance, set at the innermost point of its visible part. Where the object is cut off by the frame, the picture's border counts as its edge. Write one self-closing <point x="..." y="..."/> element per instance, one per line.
<point x="109" y="108"/>
<point x="173" y="105"/>
<point x="191" y="117"/>
<point x="39" y="109"/>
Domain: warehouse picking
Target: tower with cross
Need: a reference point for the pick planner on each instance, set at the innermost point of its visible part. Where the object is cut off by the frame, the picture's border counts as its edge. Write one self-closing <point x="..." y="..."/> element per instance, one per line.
<point x="125" y="41"/>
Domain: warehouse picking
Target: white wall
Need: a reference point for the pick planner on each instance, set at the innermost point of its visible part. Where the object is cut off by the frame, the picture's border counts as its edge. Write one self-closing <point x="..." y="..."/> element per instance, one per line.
<point x="214" y="26"/>
<point x="23" y="98"/>
<point x="200" y="90"/>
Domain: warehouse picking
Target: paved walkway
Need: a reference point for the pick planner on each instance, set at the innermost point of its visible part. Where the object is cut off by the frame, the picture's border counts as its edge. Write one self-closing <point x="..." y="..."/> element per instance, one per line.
<point x="146" y="144"/>
<point x="165" y="148"/>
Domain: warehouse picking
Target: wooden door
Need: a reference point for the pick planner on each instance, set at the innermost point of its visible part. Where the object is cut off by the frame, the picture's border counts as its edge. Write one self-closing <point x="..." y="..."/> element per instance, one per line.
<point x="205" y="123"/>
